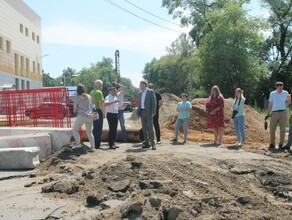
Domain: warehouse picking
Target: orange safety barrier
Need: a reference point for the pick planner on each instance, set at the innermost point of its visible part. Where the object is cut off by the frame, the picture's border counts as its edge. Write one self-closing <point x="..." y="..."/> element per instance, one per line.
<point x="46" y="107"/>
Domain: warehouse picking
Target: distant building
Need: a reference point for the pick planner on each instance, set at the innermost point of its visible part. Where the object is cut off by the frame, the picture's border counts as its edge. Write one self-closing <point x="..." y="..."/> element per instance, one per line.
<point x="20" y="46"/>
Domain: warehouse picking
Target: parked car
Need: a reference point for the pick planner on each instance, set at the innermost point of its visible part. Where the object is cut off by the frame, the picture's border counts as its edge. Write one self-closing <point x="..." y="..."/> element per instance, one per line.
<point x="48" y="110"/>
<point x="128" y="106"/>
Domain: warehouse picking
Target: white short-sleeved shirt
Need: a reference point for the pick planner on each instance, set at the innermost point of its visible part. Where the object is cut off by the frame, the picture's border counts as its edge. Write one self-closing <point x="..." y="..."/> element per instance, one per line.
<point x="279" y="100"/>
<point x="113" y="108"/>
<point x="120" y="97"/>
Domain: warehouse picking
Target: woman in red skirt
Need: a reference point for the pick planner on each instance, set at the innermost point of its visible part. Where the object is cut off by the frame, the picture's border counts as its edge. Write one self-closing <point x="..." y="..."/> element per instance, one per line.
<point x="215" y="110"/>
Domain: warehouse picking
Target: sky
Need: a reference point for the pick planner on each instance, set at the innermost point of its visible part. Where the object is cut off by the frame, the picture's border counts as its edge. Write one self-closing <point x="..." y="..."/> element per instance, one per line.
<point x="78" y="33"/>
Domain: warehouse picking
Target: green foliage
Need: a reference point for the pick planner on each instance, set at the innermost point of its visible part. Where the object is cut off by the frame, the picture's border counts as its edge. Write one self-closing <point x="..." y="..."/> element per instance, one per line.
<point x="102" y="70"/>
<point x="279" y="44"/>
<point x="227" y="54"/>
<point x="175" y="72"/>
<point x="47" y="80"/>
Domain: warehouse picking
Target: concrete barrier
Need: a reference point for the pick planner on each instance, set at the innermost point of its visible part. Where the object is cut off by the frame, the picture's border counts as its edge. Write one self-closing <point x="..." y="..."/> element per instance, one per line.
<point x="59" y="136"/>
<point x="21" y="158"/>
<point x="41" y="140"/>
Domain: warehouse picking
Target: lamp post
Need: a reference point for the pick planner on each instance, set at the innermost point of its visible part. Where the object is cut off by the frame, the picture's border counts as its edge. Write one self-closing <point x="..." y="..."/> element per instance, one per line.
<point x="38" y="67"/>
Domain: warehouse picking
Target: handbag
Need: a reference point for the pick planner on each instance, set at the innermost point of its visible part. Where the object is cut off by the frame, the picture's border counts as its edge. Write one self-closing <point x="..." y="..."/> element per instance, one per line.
<point x="95" y="116"/>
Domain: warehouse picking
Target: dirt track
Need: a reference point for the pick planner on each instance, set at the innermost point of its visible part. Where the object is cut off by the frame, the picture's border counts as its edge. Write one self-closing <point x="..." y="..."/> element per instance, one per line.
<point x="192" y="181"/>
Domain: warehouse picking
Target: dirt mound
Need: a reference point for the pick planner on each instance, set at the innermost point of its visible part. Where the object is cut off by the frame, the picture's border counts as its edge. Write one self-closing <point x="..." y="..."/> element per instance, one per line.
<point x="198" y="131"/>
<point x="157" y="187"/>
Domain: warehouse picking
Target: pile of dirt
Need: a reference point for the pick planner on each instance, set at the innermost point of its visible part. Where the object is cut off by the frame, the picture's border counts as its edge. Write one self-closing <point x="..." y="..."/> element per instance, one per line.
<point x="198" y="131"/>
<point x="156" y="187"/>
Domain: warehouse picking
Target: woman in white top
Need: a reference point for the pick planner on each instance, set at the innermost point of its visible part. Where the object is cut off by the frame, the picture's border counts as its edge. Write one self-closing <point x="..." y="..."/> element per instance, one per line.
<point x="84" y="109"/>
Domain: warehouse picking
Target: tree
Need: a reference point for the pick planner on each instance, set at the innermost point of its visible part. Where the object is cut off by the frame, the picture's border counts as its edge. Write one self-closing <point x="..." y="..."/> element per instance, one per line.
<point x="228" y="55"/>
<point x="68" y="75"/>
<point x="47" y="80"/>
<point x="279" y="45"/>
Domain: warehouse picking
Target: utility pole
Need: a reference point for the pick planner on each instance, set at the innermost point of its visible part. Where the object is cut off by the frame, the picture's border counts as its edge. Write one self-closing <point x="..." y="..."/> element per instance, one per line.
<point x="117" y="62"/>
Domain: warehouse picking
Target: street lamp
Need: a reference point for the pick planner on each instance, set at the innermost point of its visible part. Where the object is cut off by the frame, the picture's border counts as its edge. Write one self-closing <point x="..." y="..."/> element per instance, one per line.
<point x="39" y="71"/>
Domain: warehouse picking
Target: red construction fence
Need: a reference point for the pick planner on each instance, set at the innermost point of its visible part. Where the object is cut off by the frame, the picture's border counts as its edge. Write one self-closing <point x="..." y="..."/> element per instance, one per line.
<point x="46" y="107"/>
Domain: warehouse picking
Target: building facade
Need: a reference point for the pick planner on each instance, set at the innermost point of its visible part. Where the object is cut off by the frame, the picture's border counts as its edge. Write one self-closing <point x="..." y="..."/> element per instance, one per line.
<point x="20" y="46"/>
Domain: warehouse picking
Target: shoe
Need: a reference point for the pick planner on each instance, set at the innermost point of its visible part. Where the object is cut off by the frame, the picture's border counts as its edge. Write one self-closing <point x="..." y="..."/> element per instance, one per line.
<point x="91" y="150"/>
<point x="158" y="142"/>
<point x="280" y="146"/>
<point x="78" y="146"/>
<point x="153" y="147"/>
<point x="112" y="147"/>
<point x="116" y="146"/>
<point x="285" y="147"/>
<point x="218" y="143"/>
<point x="184" y="141"/>
<point x="272" y="146"/>
<point x="146" y="146"/>
<point x="174" y="140"/>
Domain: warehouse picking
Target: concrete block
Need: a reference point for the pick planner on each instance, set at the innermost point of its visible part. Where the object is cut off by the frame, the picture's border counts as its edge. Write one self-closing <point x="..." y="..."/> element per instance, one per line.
<point x="41" y="140"/>
<point x="19" y="158"/>
<point x="59" y="136"/>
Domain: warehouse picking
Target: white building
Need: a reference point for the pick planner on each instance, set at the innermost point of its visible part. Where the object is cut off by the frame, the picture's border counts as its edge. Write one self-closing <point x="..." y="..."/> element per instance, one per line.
<point x="20" y="46"/>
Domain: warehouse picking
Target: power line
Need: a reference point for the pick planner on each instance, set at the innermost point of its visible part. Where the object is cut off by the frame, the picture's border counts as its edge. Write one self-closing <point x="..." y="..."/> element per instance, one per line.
<point x="118" y="6"/>
<point x="151" y="13"/>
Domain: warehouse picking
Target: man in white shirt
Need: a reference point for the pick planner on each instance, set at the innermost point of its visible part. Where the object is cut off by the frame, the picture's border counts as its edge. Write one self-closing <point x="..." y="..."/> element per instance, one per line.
<point x="121" y="107"/>
<point x="278" y="101"/>
<point x="111" y="104"/>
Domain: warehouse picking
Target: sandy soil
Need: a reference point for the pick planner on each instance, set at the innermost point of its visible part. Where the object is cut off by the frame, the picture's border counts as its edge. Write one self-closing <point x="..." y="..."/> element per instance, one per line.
<point x="192" y="181"/>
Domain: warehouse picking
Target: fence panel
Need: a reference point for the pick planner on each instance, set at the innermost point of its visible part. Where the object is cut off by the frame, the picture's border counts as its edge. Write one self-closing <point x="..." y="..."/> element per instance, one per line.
<point x="46" y="107"/>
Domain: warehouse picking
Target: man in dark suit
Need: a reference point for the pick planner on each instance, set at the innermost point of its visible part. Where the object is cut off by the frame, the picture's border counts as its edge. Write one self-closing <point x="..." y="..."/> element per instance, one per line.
<point x="147" y="110"/>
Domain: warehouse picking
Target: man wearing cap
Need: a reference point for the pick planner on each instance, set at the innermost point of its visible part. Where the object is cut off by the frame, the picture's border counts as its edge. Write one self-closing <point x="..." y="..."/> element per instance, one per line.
<point x="147" y="110"/>
<point x="278" y="101"/>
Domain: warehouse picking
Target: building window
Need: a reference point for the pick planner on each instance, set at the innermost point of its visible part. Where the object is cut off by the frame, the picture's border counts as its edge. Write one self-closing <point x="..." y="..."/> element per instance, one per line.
<point x="16" y="83"/>
<point x="26" y="32"/>
<point x="27" y="66"/>
<point x="38" y="39"/>
<point x="22" y="65"/>
<point x="39" y="68"/>
<point x="21" y="28"/>
<point x="27" y="84"/>
<point x="8" y="46"/>
<point x="22" y="84"/>
<point x="1" y="43"/>
<point x="16" y="62"/>
<point x="33" y="66"/>
<point x="33" y="36"/>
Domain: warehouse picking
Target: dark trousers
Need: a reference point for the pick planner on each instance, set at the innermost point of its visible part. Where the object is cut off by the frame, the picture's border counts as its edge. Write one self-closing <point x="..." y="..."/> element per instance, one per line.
<point x="97" y="128"/>
<point x="112" y="124"/>
<point x="157" y="126"/>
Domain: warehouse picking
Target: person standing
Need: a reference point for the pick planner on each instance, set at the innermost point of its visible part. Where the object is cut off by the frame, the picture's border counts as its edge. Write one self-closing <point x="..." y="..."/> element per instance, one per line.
<point x="84" y="109"/>
<point x="147" y="110"/>
<point x="121" y="107"/>
<point x="278" y="101"/>
<point x="98" y="101"/>
<point x="159" y="104"/>
<point x="111" y="104"/>
<point x="238" y="116"/>
<point x="215" y="111"/>
<point x="183" y="108"/>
